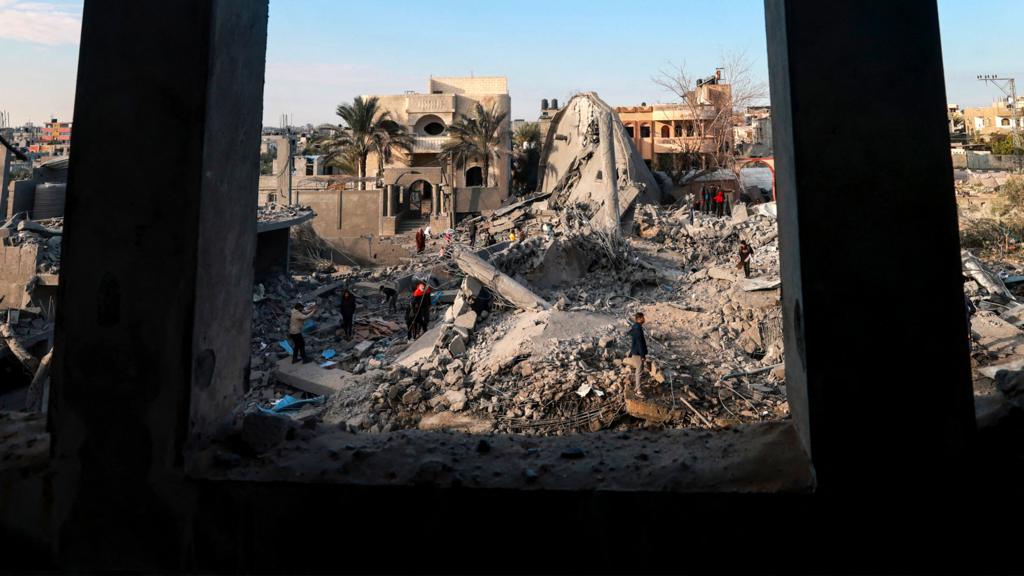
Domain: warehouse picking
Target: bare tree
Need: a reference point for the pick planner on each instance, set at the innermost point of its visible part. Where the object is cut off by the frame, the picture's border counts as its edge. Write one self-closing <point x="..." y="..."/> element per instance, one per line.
<point x="713" y="109"/>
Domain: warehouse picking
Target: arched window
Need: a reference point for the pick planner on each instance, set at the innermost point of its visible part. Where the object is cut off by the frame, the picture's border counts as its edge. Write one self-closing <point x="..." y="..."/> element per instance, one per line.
<point x="1004" y="121"/>
<point x="475" y="176"/>
<point x="666" y="132"/>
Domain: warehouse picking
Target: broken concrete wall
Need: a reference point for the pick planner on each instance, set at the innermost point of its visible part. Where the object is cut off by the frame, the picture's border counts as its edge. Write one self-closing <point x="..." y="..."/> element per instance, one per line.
<point x="571" y="167"/>
<point x="17" y="267"/>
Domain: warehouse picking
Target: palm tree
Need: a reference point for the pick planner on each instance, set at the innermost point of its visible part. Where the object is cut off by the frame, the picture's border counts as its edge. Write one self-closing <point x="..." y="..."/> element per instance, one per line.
<point x="391" y="137"/>
<point x="526" y="144"/>
<point x="369" y="128"/>
<point x="481" y="137"/>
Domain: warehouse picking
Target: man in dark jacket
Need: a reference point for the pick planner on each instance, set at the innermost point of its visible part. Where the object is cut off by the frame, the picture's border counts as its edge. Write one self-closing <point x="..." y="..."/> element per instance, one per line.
<point x="472" y="235"/>
<point x="348" y="311"/>
<point x="638" y="349"/>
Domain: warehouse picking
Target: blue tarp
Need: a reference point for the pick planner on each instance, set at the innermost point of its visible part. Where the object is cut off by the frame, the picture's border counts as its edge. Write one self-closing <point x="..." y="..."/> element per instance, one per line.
<point x="329" y="353"/>
<point x="287" y="346"/>
<point x="309" y="325"/>
<point x="289" y="402"/>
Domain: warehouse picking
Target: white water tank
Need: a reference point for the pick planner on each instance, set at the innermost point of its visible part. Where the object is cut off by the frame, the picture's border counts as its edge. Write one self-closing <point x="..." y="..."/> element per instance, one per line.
<point x="49" y="200"/>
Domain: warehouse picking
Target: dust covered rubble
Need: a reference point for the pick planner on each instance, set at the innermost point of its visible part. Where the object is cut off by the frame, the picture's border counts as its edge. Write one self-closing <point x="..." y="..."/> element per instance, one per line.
<point x="488" y="367"/>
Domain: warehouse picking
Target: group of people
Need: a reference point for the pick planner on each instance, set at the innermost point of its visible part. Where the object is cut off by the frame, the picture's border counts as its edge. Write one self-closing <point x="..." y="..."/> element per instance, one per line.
<point x="347" y="307"/>
<point x="712" y="200"/>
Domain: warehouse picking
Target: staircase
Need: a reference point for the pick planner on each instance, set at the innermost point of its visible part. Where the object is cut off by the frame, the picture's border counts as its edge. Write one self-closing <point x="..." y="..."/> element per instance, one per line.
<point x="410" y="224"/>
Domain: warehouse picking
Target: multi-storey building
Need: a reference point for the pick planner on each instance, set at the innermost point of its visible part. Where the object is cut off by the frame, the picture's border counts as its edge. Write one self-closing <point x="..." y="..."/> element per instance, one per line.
<point x="701" y="126"/>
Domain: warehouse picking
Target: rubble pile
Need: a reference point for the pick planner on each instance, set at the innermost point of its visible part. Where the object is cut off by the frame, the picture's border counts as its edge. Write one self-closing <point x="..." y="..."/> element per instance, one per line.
<point x="528" y="367"/>
<point x="46" y="234"/>
<point x="272" y="212"/>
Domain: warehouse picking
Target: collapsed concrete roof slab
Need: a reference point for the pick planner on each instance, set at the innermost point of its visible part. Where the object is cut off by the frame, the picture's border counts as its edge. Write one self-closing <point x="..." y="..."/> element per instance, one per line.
<point x="571" y="164"/>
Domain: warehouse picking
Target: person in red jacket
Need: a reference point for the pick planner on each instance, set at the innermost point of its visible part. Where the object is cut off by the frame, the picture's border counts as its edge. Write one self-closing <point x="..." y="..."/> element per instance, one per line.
<point x="719" y="202"/>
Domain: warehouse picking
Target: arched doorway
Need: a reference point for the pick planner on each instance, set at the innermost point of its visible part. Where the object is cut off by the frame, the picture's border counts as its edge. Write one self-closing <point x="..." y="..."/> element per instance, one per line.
<point x="421" y="198"/>
<point x="474" y="177"/>
<point x="768" y="162"/>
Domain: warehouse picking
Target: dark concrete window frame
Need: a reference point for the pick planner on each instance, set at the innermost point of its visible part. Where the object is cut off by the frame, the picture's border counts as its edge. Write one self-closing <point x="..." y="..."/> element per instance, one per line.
<point x="158" y="346"/>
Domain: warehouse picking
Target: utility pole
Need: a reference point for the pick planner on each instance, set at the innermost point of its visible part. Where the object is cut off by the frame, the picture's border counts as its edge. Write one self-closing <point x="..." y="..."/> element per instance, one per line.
<point x="1008" y="86"/>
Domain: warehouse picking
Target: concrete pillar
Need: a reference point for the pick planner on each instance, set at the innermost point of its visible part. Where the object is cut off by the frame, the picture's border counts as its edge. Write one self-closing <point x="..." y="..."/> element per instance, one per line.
<point x="159" y="325"/>
<point x="609" y="181"/>
<point x="436" y="199"/>
<point x="870" y="427"/>
<point x="5" y="177"/>
<point x="389" y="209"/>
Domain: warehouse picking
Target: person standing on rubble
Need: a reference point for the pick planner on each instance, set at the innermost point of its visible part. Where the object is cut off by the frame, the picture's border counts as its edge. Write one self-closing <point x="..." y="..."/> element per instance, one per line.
<point x="390" y="297"/>
<point x="638" y="349"/>
<point x="970" y="310"/>
<point x="719" y="202"/>
<point x="421" y="299"/>
<point x="691" y="201"/>
<point x="472" y="235"/>
<point x="745" y="253"/>
<point x="421" y="241"/>
<point x="298" y="317"/>
<point x="705" y="205"/>
<point x="348" y="312"/>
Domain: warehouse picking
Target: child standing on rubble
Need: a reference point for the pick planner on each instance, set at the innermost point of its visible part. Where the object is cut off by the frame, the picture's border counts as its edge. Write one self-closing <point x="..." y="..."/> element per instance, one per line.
<point x="638" y="349"/>
<point x="295" y="332"/>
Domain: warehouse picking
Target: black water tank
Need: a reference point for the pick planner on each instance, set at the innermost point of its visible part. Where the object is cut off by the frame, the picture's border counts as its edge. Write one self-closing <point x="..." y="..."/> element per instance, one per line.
<point x="554" y="103"/>
<point x="49" y="200"/>
<point x="544" y="104"/>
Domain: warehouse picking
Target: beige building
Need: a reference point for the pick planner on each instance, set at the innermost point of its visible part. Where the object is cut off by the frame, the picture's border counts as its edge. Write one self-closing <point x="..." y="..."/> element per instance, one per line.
<point x="995" y="119"/>
<point x="427" y="117"/>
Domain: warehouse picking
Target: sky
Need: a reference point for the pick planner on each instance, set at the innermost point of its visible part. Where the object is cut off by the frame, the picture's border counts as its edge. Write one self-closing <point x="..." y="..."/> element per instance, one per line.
<point x="321" y="53"/>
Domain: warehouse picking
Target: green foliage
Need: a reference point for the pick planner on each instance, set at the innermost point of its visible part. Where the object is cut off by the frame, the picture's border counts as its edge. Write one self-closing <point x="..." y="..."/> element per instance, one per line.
<point x="1002" y="144"/>
<point x="476" y="138"/>
<point x="266" y="164"/>
<point x="367" y="128"/>
<point x="526" y="161"/>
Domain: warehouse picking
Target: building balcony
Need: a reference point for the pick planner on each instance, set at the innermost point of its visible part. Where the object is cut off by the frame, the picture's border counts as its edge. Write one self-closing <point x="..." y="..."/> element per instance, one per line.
<point x="428" y="144"/>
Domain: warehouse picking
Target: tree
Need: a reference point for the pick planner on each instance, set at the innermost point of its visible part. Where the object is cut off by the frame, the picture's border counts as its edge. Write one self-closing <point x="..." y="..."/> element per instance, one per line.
<point x="714" y="109"/>
<point x="481" y="138"/>
<point x="526" y="158"/>
<point x="367" y="128"/>
<point x="1003" y="144"/>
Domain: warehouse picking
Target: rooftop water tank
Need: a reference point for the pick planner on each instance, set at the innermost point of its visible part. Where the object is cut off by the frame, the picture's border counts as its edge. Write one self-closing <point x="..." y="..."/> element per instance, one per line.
<point x="554" y="103"/>
<point x="544" y="104"/>
<point x="49" y="200"/>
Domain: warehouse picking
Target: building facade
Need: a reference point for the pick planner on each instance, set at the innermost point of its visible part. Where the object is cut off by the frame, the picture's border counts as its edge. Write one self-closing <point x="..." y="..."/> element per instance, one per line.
<point x="984" y="122"/>
<point x="703" y="126"/>
<point x="427" y="118"/>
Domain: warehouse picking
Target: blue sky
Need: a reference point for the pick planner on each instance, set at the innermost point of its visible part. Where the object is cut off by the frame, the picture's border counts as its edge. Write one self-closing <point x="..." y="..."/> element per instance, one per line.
<point x="323" y="52"/>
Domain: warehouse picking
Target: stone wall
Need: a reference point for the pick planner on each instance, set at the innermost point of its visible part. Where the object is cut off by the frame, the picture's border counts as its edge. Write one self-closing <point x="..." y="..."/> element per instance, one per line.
<point x="980" y="160"/>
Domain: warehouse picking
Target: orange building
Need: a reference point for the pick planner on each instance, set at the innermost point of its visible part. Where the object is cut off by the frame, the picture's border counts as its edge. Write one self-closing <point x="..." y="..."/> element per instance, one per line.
<point x="56" y="132"/>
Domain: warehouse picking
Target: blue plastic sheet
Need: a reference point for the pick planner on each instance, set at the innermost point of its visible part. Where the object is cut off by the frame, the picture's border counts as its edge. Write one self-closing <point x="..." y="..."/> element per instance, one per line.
<point x="309" y="325"/>
<point x="290" y="402"/>
<point x="287" y="346"/>
<point x="329" y="353"/>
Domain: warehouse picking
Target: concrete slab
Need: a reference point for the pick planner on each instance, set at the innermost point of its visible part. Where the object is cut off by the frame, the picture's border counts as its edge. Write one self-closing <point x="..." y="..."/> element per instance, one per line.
<point x="421" y="348"/>
<point x="755" y="284"/>
<point x="997" y="335"/>
<point x="310" y="377"/>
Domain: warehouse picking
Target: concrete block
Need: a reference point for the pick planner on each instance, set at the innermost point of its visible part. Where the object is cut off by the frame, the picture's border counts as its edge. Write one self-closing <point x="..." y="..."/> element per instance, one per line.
<point x="467" y="320"/>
